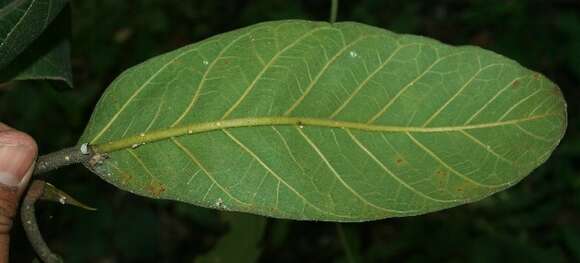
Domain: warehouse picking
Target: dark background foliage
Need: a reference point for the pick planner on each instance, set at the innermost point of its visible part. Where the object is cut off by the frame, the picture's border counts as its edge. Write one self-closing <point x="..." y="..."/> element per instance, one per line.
<point x="537" y="220"/>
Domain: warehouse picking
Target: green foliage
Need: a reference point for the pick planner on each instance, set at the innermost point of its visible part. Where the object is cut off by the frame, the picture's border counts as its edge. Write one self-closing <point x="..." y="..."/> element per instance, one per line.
<point x="313" y="121"/>
<point x="22" y="22"/>
<point x="535" y="221"/>
<point x="34" y="41"/>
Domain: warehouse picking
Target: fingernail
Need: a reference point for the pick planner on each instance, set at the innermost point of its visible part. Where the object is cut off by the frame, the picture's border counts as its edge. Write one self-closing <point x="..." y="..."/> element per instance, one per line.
<point x="15" y="161"/>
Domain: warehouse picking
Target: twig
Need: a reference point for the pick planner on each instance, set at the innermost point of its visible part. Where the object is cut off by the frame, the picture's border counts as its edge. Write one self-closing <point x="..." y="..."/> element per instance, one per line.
<point x="345" y="244"/>
<point x="31" y="226"/>
<point x="333" y="11"/>
<point x="47" y="163"/>
<point x="64" y="157"/>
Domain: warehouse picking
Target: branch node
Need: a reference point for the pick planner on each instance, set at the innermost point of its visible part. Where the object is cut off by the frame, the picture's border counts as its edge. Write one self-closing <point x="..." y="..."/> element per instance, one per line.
<point x="64" y="157"/>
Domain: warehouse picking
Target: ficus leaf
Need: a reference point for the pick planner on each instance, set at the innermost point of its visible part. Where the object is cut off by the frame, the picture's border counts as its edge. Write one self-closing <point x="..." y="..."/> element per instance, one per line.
<point x="307" y="120"/>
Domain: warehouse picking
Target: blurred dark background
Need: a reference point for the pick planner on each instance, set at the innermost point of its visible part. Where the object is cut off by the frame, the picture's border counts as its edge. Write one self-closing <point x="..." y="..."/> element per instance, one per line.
<point x="537" y="220"/>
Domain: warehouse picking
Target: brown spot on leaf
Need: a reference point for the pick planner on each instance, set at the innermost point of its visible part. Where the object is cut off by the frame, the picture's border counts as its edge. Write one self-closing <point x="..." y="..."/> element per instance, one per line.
<point x="441" y="175"/>
<point x="399" y="160"/>
<point x="516" y="84"/>
<point x="441" y="172"/>
<point x="125" y="178"/>
<point x="155" y="189"/>
<point x="465" y="187"/>
<point x="537" y="76"/>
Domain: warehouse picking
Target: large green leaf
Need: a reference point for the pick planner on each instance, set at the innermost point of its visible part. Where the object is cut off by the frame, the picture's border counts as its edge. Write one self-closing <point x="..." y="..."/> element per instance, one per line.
<point x="21" y="22"/>
<point x="307" y="120"/>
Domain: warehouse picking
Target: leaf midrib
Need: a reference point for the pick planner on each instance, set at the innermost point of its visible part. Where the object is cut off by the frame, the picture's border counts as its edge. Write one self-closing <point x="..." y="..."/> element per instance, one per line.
<point x="167" y="133"/>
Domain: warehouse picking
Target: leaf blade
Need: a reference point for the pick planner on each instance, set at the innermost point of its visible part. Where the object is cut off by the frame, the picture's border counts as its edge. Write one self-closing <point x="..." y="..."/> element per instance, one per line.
<point x="319" y="122"/>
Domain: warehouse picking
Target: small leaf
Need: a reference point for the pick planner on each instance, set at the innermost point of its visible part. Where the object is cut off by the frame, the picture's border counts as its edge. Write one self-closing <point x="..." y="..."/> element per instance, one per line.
<point x="51" y="193"/>
<point x="307" y="120"/>
<point x="22" y="21"/>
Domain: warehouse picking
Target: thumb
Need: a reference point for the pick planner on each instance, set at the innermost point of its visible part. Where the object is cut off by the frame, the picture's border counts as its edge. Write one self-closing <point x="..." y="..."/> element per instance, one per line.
<point x="17" y="155"/>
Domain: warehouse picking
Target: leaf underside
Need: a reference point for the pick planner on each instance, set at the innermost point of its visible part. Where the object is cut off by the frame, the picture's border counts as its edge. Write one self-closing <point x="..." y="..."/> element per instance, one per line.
<point x="312" y="121"/>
